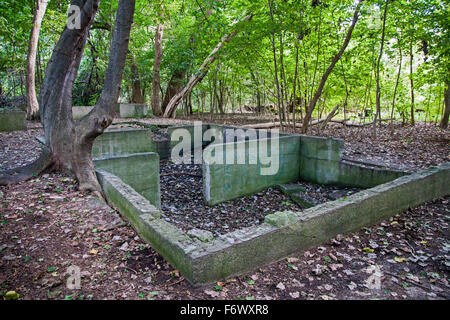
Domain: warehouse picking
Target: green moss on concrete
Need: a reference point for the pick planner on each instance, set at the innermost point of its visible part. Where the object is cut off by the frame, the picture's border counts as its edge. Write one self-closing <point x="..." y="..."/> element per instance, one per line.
<point x="79" y="112"/>
<point x="122" y="142"/>
<point x="222" y="182"/>
<point x="140" y="171"/>
<point x="130" y="110"/>
<point x="281" y="218"/>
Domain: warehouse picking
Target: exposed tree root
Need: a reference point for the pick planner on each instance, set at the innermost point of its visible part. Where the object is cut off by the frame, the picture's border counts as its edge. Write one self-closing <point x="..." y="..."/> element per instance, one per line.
<point x="29" y="171"/>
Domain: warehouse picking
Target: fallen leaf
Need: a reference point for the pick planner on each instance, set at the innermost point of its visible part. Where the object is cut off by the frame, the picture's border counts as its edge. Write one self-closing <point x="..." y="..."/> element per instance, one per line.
<point x="281" y="286"/>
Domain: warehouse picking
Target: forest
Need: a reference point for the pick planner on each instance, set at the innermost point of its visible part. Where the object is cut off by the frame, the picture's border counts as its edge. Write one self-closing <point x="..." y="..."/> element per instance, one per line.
<point x="394" y="65"/>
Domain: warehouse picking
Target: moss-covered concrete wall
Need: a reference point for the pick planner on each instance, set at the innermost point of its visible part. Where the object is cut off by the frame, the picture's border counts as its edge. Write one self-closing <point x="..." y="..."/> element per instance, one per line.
<point x="321" y="162"/>
<point x="123" y="141"/>
<point x="139" y="171"/>
<point x="12" y="120"/>
<point x="130" y="110"/>
<point x="233" y="179"/>
<point x="79" y="112"/>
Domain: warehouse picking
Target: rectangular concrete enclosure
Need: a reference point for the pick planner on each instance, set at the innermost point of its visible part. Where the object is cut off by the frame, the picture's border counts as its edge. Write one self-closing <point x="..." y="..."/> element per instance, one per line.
<point x="204" y="261"/>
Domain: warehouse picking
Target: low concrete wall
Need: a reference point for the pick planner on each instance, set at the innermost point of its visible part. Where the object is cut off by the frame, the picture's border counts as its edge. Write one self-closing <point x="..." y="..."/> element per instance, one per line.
<point x="79" y="112"/>
<point x="321" y="162"/>
<point x="222" y="182"/>
<point x="12" y="120"/>
<point x="129" y="110"/>
<point x="139" y="171"/>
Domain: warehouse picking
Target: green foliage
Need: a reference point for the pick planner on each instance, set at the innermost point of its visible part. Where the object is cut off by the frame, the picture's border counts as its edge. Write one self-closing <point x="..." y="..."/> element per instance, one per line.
<point x="243" y="74"/>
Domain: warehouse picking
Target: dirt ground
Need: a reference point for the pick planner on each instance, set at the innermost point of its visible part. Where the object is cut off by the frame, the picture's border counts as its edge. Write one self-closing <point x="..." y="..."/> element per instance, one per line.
<point x="48" y="230"/>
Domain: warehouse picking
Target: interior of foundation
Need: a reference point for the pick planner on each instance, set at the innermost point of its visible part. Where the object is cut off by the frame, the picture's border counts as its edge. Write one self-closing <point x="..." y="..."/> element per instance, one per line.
<point x="183" y="202"/>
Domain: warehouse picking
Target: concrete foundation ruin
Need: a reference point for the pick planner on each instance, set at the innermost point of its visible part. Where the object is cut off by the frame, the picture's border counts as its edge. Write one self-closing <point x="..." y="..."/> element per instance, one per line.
<point x="127" y="161"/>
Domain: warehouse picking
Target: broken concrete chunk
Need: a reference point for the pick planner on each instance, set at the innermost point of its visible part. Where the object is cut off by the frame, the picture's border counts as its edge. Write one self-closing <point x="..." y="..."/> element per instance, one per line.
<point x="281" y="218"/>
<point x="303" y="199"/>
<point x="289" y="188"/>
<point x="202" y="235"/>
<point x="337" y="194"/>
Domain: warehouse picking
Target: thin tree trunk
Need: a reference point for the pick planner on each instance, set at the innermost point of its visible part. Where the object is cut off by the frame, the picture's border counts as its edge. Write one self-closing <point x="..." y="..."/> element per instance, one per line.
<point x="32" y="102"/>
<point x="200" y="73"/>
<point x="444" y="120"/>
<point x="411" y="61"/>
<point x="284" y="94"/>
<point x="396" y="85"/>
<point x="336" y="58"/>
<point x="156" y="82"/>
<point x="274" y="50"/>
<point x="378" y="95"/>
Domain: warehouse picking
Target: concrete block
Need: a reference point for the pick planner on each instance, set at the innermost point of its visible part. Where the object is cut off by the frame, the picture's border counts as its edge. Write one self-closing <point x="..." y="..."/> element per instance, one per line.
<point x="129" y="110"/>
<point x="79" y="112"/>
<point x="12" y="120"/>
<point x="139" y="171"/>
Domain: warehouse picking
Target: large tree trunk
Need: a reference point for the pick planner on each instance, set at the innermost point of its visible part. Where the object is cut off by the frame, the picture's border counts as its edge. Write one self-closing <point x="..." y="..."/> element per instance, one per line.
<point x="68" y="143"/>
<point x="200" y="74"/>
<point x="174" y="86"/>
<point x="156" y="82"/>
<point x="136" y="88"/>
<point x="444" y="120"/>
<point x="336" y="58"/>
<point x="32" y="103"/>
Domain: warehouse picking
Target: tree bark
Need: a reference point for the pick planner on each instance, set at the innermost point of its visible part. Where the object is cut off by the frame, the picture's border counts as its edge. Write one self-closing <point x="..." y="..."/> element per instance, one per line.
<point x="68" y="143"/>
<point x="200" y="74"/>
<point x="156" y="82"/>
<point x="411" y="61"/>
<point x="274" y="51"/>
<point x="444" y="120"/>
<point x="136" y="88"/>
<point x="336" y="58"/>
<point x="32" y="102"/>
<point x="396" y="84"/>
<point x="378" y="94"/>
<point x="174" y="86"/>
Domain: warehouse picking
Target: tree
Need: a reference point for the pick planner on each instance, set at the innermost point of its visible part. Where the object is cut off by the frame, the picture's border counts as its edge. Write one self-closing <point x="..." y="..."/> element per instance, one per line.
<point x="444" y="120"/>
<point x="156" y="82"/>
<point x="378" y="97"/>
<point x="32" y="103"/>
<point x="325" y="76"/>
<point x="136" y="89"/>
<point x="200" y="74"/>
<point x="68" y="143"/>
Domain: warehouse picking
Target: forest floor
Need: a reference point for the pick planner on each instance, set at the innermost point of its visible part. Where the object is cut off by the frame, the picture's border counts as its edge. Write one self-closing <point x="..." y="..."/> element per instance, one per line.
<point x="47" y="225"/>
